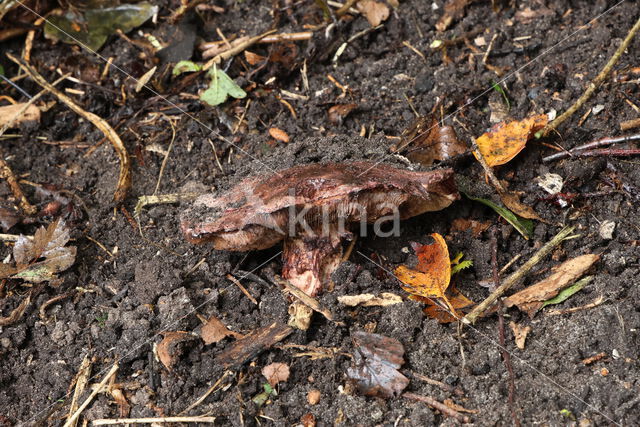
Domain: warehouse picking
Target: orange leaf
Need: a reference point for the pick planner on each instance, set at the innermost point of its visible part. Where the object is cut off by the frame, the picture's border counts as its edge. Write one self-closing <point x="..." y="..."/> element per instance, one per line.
<point x="432" y="274"/>
<point x="279" y="134"/>
<point x="506" y="139"/>
<point x="441" y="314"/>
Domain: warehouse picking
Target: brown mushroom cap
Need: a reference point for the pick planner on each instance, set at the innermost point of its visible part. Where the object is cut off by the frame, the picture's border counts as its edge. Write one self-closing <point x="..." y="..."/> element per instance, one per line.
<point x="255" y="214"/>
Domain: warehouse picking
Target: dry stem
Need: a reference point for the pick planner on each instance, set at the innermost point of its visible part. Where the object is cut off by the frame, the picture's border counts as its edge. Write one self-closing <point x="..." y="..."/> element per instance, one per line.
<point x="124" y="180"/>
<point x="516" y="276"/>
<point x="593" y="85"/>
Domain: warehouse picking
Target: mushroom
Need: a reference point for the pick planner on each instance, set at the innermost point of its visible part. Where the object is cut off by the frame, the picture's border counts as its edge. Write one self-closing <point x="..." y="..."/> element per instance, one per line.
<point x="312" y="208"/>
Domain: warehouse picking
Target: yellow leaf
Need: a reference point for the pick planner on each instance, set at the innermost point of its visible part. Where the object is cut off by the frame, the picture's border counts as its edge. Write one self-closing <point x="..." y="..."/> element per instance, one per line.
<point x="506" y="139"/>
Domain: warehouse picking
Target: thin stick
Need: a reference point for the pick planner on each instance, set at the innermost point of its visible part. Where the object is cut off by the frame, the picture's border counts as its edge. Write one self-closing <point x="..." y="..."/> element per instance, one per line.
<point x="506" y="357"/>
<point x="235" y="50"/>
<point x="593" y="85"/>
<point x="287" y="37"/>
<point x="72" y="419"/>
<point x="603" y="152"/>
<point x="81" y="383"/>
<point x="124" y="180"/>
<point x="345" y="7"/>
<point x="630" y="124"/>
<point x="439" y="406"/>
<point x="602" y="142"/>
<point x="164" y="420"/>
<point x="206" y="394"/>
<point x="446" y="387"/>
<point x="310" y="302"/>
<point x="166" y="156"/>
<point x="517" y="275"/>
<point x="242" y="288"/>
<point x="592" y="304"/>
<point x="7" y="173"/>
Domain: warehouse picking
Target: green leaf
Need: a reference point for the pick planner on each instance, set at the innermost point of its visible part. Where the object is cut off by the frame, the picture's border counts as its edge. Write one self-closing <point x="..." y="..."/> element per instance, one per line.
<point x="221" y="86"/>
<point x="522" y="225"/>
<point x="564" y="294"/>
<point x="461" y="266"/>
<point x="186" y="67"/>
<point x="501" y="91"/>
<point x="92" y="27"/>
<point x="261" y="398"/>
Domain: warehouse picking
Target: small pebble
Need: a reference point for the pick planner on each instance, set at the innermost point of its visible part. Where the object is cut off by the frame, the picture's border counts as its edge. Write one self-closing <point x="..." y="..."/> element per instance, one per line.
<point x="313" y="397"/>
<point x="606" y="229"/>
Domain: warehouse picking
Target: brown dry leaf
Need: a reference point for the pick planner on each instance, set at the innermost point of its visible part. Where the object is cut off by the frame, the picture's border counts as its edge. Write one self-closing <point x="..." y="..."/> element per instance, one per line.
<point x="370" y="300"/>
<point x="339" y="112"/>
<point x="532" y="298"/>
<point x="453" y="11"/>
<point x="47" y="244"/>
<point x="214" y="331"/>
<point x="512" y="201"/>
<point x="464" y="224"/>
<point x="442" y="314"/>
<point x="506" y="139"/>
<point x="519" y="333"/>
<point x="376" y="361"/>
<point x="168" y="350"/>
<point x="278" y="134"/>
<point x="253" y="58"/>
<point x="8" y="112"/>
<point x="426" y="141"/>
<point x="432" y="275"/>
<point x="276" y="373"/>
<point x="374" y="11"/>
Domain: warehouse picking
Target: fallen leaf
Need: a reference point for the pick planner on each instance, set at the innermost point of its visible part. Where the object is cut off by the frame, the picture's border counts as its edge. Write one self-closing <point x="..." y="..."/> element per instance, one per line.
<point x="276" y="373"/>
<point x="214" y="331"/>
<point x="506" y="139"/>
<point x="221" y="87"/>
<point x="253" y="344"/>
<point x="91" y="27"/>
<point x="519" y="333"/>
<point x="374" y="11"/>
<point x="339" y="112"/>
<point x="185" y="67"/>
<point x="168" y="350"/>
<point x="512" y="201"/>
<point x="47" y="244"/>
<point x="533" y="298"/>
<point x="9" y="215"/>
<point x="464" y="224"/>
<point x="370" y="300"/>
<point x="376" y="360"/>
<point x="426" y="141"/>
<point x="524" y="226"/>
<point x="278" y="134"/>
<point x="8" y="112"/>
<point x="431" y="279"/>
<point x="564" y="294"/>
<point x="253" y="58"/>
<point x="453" y="11"/>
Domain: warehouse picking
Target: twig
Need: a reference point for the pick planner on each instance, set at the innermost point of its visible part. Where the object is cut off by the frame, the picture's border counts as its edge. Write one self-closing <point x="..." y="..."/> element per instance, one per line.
<point x="42" y="311"/>
<point x="310" y="302"/>
<point x="517" y="275"/>
<point x="439" y="406"/>
<point x="593" y="304"/>
<point x="593" y="85"/>
<point x="506" y="357"/>
<point x="7" y="173"/>
<point x="446" y="387"/>
<point x="166" y="156"/>
<point x="124" y="179"/>
<point x="242" y="288"/>
<point x="206" y="394"/>
<point x="153" y="420"/>
<point x="287" y="37"/>
<point x="602" y="142"/>
<point x="235" y="50"/>
<point x="604" y="152"/>
<point x="72" y="419"/>
<point x="81" y="381"/>
<point x="630" y="124"/>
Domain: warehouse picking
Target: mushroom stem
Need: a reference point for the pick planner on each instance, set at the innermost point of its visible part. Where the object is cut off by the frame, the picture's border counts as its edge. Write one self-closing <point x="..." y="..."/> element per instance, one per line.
<point x="309" y="259"/>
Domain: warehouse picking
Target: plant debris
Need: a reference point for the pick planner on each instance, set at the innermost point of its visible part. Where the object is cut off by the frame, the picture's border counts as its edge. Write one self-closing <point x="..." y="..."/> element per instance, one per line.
<point x="253" y="344"/>
<point x="370" y="300"/>
<point x="221" y="87"/>
<point x="506" y="139"/>
<point x="215" y="331"/>
<point x="426" y="141"/>
<point x="533" y="298"/>
<point x="376" y="360"/>
<point x="276" y="373"/>
<point x="15" y="114"/>
<point x="41" y="258"/>
<point x="169" y="349"/>
<point x="92" y="26"/>
<point x="430" y="279"/>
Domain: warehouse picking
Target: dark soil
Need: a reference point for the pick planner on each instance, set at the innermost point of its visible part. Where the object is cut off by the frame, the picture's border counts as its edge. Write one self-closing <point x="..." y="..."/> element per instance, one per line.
<point x="158" y="282"/>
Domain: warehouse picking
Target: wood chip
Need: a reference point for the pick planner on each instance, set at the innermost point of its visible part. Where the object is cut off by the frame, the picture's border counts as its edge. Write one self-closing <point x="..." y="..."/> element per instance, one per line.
<point x="253" y="344"/>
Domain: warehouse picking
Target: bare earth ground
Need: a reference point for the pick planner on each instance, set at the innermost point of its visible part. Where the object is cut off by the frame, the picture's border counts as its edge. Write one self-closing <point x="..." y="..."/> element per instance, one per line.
<point x="144" y="289"/>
